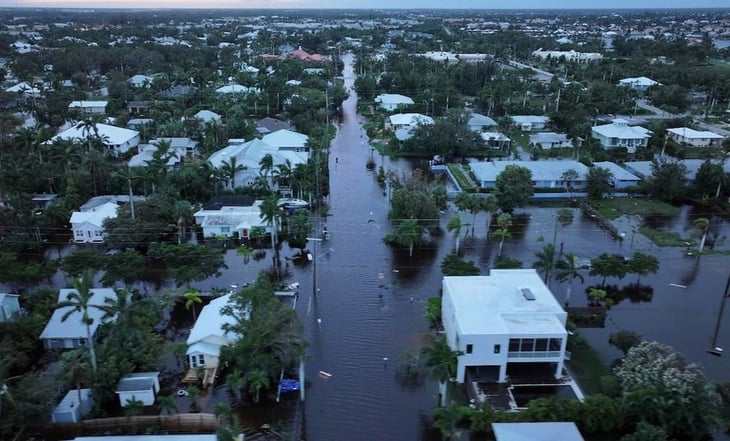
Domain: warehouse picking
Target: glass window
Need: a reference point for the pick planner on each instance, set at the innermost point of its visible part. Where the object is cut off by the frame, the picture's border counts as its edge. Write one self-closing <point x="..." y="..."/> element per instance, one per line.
<point x="469" y="349"/>
<point x="497" y="349"/>
<point x="527" y="345"/>
<point x="541" y="344"/>
<point x="514" y="345"/>
<point x="555" y="344"/>
<point x="79" y="233"/>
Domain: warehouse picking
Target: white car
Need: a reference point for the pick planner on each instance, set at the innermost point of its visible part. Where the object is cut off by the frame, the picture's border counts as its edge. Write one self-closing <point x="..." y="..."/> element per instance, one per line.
<point x="292" y="203"/>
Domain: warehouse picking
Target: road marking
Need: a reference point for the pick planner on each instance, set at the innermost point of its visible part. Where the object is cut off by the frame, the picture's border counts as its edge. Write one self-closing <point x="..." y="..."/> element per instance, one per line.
<point x="677" y="285"/>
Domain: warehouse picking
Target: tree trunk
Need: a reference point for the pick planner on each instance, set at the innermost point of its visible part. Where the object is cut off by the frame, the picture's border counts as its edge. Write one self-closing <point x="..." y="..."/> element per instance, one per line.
<point x="702" y="242"/>
<point x="457" y="244"/>
<point x="92" y="352"/>
<point x="442" y="393"/>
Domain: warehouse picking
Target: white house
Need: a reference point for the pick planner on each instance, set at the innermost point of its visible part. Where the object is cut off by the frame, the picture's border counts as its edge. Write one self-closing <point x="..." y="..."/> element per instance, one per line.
<point x="140" y="386"/>
<point x="545" y="174"/>
<point x="407" y="120"/>
<point x="237" y="89"/>
<point x="116" y="139"/>
<point x="70" y="409"/>
<point x="530" y="123"/>
<point x="550" y="140"/>
<point x="695" y="138"/>
<point x="570" y="56"/>
<point x="621" y="178"/>
<point x="547" y="431"/>
<point x="393" y="101"/>
<point x="71" y="333"/>
<point x="496" y="140"/>
<point x="507" y="317"/>
<point x="287" y="140"/>
<point x="88" y="107"/>
<point x="9" y="306"/>
<point x="480" y="123"/>
<point x="620" y="134"/>
<point x="178" y="148"/>
<point x="26" y="89"/>
<point x="208" y="336"/>
<point x="88" y="226"/>
<point x="140" y="81"/>
<point x="207" y="116"/>
<point x="638" y="83"/>
<point x="230" y="216"/>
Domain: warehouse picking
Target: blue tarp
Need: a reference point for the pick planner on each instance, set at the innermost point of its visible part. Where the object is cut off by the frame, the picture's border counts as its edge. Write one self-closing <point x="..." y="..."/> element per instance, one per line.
<point x="289" y="385"/>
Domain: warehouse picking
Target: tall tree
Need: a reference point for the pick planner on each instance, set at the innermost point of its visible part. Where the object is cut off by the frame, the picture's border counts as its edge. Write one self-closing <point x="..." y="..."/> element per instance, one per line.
<point x="643" y="264"/>
<point x="703" y="225"/>
<point x="230" y="169"/>
<point x="256" y="379"/>
<point x="568" y="270"/>
<point x="408" y="234"/>
<point x="127" y="174"/>
<point x="504" y="221"/>
<point x="454" y="226"/>
<point x="271" y="214"/>
<point x="545" y="261"/>
<point x="513" y="188"/>
<point x="441" y="362"/>
<point x="599" y="182"/>
<point x="192" y="296"/>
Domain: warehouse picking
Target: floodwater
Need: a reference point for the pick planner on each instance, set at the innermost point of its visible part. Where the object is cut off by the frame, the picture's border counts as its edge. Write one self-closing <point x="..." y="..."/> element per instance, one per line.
<point x="368" y="303"/>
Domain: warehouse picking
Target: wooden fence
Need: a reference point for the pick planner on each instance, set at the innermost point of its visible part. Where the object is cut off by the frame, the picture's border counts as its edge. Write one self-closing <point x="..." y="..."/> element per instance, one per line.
<point x="179" y="423"/>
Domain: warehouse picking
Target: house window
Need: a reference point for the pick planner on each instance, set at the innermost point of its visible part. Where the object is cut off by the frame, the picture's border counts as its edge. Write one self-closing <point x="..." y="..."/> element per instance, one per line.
<point x="469" y="349"/>
<point x="79" y="233"/>
<point x="527" y="345"/>
<point x="555" y="344"/>
<point x="82" y="341"/>
<point x="497" y="349"/>
<point x="514" y="345"/>
<point x="541" y="344"/>
<point x="225" y="229"/>
<point x="97" y="233"/>
<point x="201" y="360"/>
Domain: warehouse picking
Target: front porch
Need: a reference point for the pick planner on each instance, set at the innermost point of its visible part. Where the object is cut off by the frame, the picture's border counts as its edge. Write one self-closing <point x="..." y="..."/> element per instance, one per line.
<point x="193" y="375"/>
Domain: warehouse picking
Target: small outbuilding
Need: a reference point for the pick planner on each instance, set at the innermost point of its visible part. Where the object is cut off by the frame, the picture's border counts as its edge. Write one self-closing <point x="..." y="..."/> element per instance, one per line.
<point x="141" y="386"/>
<point x="70" y="409"/>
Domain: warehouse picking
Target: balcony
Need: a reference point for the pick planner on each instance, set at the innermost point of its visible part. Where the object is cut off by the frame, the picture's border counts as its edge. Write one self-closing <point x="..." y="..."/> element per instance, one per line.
<point x="546" y="354"/>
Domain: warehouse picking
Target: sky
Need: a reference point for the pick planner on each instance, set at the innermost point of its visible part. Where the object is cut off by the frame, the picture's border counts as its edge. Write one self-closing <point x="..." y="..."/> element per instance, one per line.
<point x="370" y="4"/>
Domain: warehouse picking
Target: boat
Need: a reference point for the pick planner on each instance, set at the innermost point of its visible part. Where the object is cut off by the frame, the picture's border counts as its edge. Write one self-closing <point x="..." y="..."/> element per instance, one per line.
<point x="292" y="203"/>
<point x="325" y="374"/>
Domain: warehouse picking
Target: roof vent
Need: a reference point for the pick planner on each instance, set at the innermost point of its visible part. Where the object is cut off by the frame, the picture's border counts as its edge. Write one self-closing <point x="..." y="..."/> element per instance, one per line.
<point x="527" y="293"/>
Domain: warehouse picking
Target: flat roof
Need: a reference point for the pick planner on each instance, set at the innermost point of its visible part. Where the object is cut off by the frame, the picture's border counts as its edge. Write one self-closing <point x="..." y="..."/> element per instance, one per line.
<point x="498" y="303"/>
<point x="550" y="431"/>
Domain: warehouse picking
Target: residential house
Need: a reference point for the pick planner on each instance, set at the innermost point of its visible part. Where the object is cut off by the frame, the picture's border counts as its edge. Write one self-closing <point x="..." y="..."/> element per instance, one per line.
<point x="530" y="123"/>
<point x="293" y="83"/>
<point x="70" y="409"/>
<point x="620" y="134"/>
<point x="496" y="140"/>
<point x="9" y="306"/>
<point x="71" y="333"/>
<point x="267" y="125"/>
<point x="207" y="116"/>
<point x="230" y="216"/>
<point x="550" y="140"/>
<point x="137" y="123"/>
<point x="140" y="81"/>
<point x="620" y="177"/>
<point x="177" y="91"/>
<point x="179" y="148"/>
<point x="392" y="101"/>
<point x="88" y="107"/>
<point x="88" y="226"/>
<point x="42" y="201"/>
<point x="547" y="431"/>
<point x="237" y="89"/>
<point x="695" y="138"/>
<point x="116" y="139"/>
<point x="638" y="83"/>
<point x="249" y="154"/>
<point x="138" y="107"/>
<point x="26" y="89"/>
<point x="505" y="318"/>
<point x="139" y="386"/>
<point x="287" y="140"/>
<point x="569" y="56"/>
<point x="644" y="169"/>
<point x="407" y="121"/>
<point x="208" y="336"/>
<point x="545" y="174"/>
<point x="481" y="123"/>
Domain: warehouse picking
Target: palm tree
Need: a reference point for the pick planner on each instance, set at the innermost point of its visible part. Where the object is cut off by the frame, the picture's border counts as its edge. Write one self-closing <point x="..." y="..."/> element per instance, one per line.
<point x="282" y="175"/>
<point x="80" y="301"/>
<point x="192" y="296"/>
<point x="408" y="234"/>
<point x="447" y="419"/>
<point x="166" y="405"/>
<point x="133" y="407"/>
<point x="73" y="366"/>
<point x="546" y="261"/>
<point x="230" y="169"/>
<point x="455" y="226"/>
<point x="266" y="164"/>
<point x="127" y="174"/>
<point x="489" y="205"/>
<point x="271" y="214"/>
<point x="441" y="362"/>
<point x="223" y="412"/>
<point x="568" y="268"/>
<point x="235" y="382"/>
<point x="504" y="221"/>
<point x="256" y="379"/>
<point x="703" y="225"/>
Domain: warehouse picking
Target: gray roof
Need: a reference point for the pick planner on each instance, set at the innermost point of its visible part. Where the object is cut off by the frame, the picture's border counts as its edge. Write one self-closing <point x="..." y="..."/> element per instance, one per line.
<point x="541" y="170"/>
<point x="98" y="201"/>
<point x="481" y="120"/>
<point x="619" y="173"/>
<point x="536" y="432"/>
<point x="138" y="381"/>
<point x="643" y="168"/>
<point x="73" y="327"/>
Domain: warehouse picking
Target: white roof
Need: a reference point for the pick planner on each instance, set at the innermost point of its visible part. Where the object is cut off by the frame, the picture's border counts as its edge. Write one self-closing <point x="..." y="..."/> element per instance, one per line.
<point x="550" y="431"/>
<point x="71" y="400"/>
<point x="393" y="99"/>
<point x="140" y="79"/>
<point x="638" y="81"/>
<point x="487" y="171"/>
<point x="494" y="136"/>
<point x="619" y="173"/>
<point x="686" y="132"/>
<point x="87" y="104"/>
<point x="410" y="119"/>
<point x="237" y="88"/>
<point x="73" y="327"/>
<point x="207" y="115"/>
<point x="96" y="215"/>
<point x="286" y="138"/>
<point x="23" y="87"/>
<point x="234" y="217"/>
<point x="138" y="381"/>
<point x="530" y="119"/>
<point x="146" y="154"/>
<point x="478" y="119"/>
<point x="496" y="304"/>
<point x="111" y="135"/>
<point x="548" y="137"/>
<point x="621" y="129"/>
<point x="210" y="322"/>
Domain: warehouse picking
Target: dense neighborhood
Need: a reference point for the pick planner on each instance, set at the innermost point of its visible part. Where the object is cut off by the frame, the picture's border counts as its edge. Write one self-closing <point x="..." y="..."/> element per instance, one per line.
<point x="365" y="224"/>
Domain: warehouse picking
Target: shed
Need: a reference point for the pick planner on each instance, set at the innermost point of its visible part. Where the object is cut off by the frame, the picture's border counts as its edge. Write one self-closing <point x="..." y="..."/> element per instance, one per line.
<point x="549" y="431"/>
<point x="70" y="410"/>
<point x="142" y="386"/>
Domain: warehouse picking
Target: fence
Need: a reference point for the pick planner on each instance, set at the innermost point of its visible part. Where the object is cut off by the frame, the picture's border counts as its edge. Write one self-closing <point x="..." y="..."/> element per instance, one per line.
<point x="179" y="423"/>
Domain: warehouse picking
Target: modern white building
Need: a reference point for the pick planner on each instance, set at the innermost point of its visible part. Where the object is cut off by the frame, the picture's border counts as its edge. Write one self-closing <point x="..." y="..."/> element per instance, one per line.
<point x="407" y="120"/>
<point x="545" y="174"/>
<point x="546" y="431"/>
<point x="230" y="216"/>
<point x="208" y="336"/>
<point x="620" y="134"/>
<point x="393" y="101"/>
<point x="570" y="56"/>
<point x="507" y="317"/>
<point x="89" y="107"/>
<point x="550" y="140"/>
<point x="638" y="83"/>
<point x="695" y="138"/>
<point x="139" y="386"/>
<point x="530" y="123"/>
<point x="116" y="139"/>
<point x="71" y="333"/>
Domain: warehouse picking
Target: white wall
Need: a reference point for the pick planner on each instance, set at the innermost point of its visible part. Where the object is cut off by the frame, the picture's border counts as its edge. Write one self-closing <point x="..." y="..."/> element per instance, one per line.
<point x="147" y="397"/>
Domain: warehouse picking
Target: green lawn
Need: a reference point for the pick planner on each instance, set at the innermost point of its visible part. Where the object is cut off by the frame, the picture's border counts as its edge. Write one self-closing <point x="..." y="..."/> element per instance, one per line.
<point x="614" y="208"/>
<point x="665" y="238"/>
<point x="586" y="365"/>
